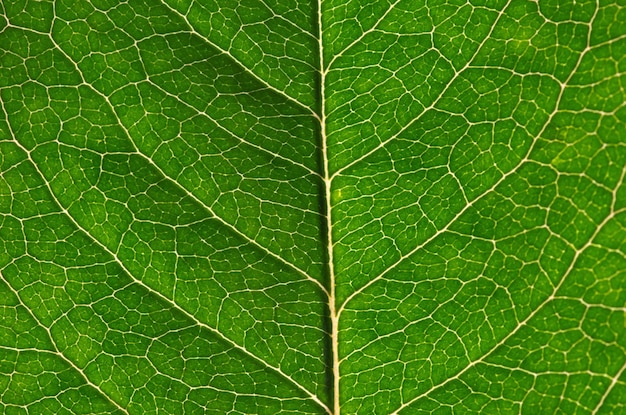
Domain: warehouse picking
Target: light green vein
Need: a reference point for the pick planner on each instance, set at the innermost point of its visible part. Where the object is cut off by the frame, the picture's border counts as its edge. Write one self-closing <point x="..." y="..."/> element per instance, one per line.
<point x="506" y="175"/>
<point x="614" y="381"/>
<point x="539" y="307"/>
<point x="431" y="106"/>
<point x="157" y="294"/>
<point x="245" y="68"/>
<point x="58" y="353"/>
<point x="185" y="190"/>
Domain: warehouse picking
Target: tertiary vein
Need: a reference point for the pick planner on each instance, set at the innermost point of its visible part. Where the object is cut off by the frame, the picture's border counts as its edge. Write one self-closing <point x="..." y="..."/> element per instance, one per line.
<point x="492" y="188"/>
<point x="151" y="290"/>
<point x="57" y="351"/>
<point x="178" y="185"/>
<point x="248" y="70"/>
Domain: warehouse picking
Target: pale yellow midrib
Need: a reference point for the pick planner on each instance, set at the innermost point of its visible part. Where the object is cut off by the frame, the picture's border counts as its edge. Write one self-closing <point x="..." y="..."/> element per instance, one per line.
<point x="334" y="317"/>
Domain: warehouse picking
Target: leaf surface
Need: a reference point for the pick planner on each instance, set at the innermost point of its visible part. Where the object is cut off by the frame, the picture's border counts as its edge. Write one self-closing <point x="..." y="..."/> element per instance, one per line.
<point x="355" y="207"/>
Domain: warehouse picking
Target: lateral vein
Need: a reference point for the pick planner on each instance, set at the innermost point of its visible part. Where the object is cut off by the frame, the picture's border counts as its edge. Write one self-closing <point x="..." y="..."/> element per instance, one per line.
<point x="58" y="353"/>
<point x="182" y="188"/>
<point x="245" y="68"/>
<point x="162" y="297"/>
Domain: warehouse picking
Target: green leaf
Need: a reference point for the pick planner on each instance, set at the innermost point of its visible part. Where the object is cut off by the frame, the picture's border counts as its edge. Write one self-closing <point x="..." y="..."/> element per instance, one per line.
<point x="343" y="206"/>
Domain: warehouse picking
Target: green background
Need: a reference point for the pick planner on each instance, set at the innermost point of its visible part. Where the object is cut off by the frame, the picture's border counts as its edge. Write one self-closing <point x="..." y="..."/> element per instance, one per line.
<point x="165" y="172"/>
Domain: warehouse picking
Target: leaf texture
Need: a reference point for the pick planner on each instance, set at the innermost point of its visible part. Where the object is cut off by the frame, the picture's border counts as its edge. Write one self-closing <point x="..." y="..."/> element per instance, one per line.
<point x="332" y="207"/>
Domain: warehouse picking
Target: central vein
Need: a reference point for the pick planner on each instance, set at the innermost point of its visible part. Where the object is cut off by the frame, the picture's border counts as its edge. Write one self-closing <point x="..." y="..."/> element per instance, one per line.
<point x="334" y="317"/>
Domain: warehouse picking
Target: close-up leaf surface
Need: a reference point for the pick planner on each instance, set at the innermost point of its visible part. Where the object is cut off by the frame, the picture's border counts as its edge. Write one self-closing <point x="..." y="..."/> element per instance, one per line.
<point x="330" y="207"/>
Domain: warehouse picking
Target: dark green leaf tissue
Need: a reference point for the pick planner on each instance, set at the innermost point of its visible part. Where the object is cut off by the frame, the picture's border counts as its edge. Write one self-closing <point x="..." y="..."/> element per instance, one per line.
<point x="388" y="207"/>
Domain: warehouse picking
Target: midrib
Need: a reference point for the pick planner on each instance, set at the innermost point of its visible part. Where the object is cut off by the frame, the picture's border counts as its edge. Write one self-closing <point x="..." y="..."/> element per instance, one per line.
<point x="334" y="317"/>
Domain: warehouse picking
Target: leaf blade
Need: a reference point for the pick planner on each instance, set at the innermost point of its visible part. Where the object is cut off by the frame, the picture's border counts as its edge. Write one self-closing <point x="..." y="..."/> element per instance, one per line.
<point x="313" y="207"/>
